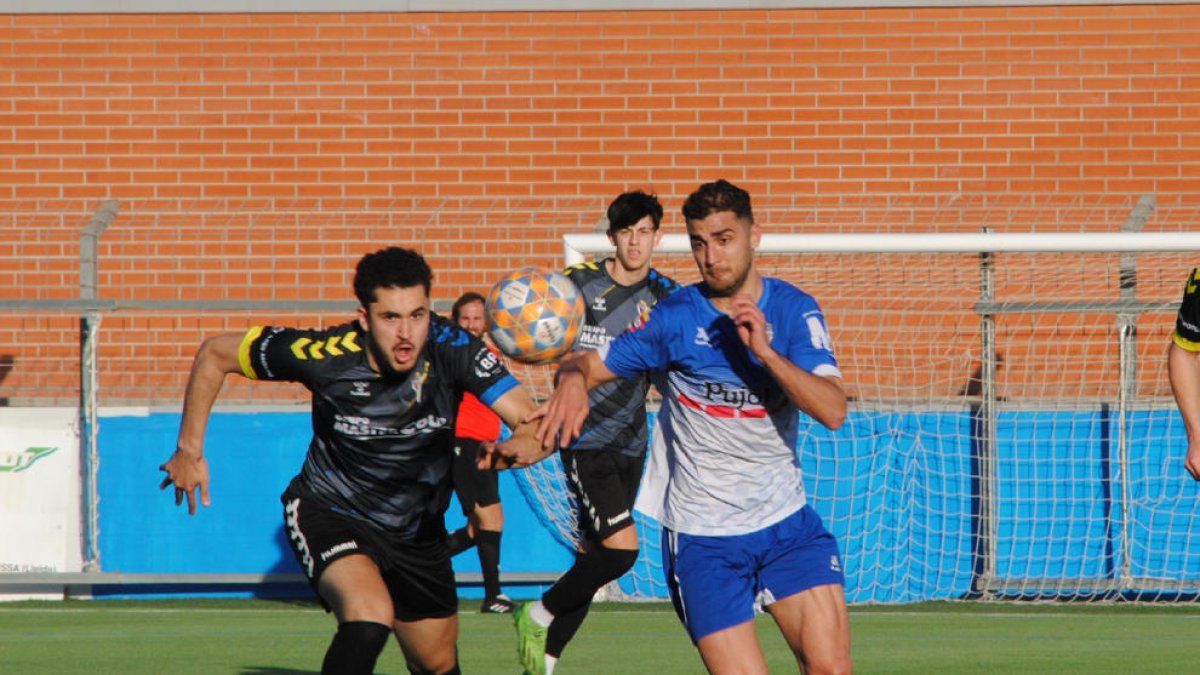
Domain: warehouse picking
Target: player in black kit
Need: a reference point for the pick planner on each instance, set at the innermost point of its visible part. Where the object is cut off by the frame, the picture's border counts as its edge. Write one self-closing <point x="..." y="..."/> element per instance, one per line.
<point x="604" y="467"/>
<point x="365" y="515"/>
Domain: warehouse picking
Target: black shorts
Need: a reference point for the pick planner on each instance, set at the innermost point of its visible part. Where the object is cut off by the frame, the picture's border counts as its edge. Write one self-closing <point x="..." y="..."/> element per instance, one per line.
<point x="418" y="574"/>
<point x="473" y="485"/>
<point x="606" y="484"/>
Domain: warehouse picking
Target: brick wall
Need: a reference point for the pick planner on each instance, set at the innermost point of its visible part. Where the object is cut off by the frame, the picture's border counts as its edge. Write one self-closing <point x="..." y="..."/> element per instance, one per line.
<point x="258" y="156"/>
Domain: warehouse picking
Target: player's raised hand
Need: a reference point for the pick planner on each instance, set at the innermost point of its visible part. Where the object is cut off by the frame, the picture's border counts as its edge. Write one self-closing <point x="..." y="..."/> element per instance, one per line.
<point x="751" y="324"/>
<point x="188" y="472"/>
<point x="563" y="415"/>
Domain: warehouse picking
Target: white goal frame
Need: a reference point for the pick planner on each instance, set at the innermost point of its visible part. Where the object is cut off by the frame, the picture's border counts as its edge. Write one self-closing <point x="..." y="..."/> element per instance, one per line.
<point x="576" y="247"/>
<point x="988" y="582"/>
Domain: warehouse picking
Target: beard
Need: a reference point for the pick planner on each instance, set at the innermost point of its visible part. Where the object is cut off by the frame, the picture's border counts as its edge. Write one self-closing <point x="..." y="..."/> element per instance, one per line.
<point x="383" y="359"/>
<point x="728" y="288"/>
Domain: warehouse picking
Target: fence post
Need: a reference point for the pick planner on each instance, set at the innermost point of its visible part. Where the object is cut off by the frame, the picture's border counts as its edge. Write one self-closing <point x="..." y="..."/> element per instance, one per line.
<point x="1127" y="377"/>
<point x="985" y="436"/>
<point x="89" y="322"/>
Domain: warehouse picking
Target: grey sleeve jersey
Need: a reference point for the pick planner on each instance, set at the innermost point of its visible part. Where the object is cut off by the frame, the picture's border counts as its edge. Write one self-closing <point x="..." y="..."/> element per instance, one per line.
<point x="381" y="447"/>
<point x="618" y="409"/>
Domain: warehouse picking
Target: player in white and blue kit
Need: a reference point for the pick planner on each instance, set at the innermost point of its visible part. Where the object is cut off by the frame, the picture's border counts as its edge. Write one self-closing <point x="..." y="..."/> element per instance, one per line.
<point x="735" y="357"/>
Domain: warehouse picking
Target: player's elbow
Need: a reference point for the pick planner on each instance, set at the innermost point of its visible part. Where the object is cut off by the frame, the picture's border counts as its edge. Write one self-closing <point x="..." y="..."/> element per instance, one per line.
<point x="835" y="421"/>
<point x="218" y="355"/>
<point x="833" y="416"/>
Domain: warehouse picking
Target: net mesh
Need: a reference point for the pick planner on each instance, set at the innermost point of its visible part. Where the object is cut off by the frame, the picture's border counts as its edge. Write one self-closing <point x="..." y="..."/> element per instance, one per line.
<point x="1012" y="432"/>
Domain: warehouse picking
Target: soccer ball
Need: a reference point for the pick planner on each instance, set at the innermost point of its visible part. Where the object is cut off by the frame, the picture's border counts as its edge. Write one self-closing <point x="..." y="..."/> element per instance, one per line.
<point x="534" y="315"/>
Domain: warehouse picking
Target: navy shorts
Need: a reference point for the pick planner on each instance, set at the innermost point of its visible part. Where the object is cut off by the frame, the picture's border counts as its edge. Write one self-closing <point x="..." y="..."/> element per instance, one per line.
<point x="418" y="574"/>
<point x="715" y="581"/>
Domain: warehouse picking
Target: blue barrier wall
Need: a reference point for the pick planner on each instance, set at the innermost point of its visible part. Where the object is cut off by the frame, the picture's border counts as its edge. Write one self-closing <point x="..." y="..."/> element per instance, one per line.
<point x="251" y="457"/>
<point x="898" y="490"/>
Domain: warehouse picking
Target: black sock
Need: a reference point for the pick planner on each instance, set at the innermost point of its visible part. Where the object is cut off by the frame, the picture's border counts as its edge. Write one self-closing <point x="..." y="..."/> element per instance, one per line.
<point x="459" y="541"/>
<point x="591" y="571"/>
<point x="355" y="648"/>
<point x="570" y="598"/>
<point x="488" y="543"/>
<point x="563" y="628"/>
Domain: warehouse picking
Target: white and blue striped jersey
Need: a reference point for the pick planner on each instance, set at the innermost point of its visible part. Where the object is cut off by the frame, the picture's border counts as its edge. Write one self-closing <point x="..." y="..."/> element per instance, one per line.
<point x="727" y="430"/>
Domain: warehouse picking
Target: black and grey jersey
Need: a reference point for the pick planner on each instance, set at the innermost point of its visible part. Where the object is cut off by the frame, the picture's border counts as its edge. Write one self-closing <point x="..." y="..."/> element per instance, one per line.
<point x="618" y="416"/>
<point x="382" y="446"/>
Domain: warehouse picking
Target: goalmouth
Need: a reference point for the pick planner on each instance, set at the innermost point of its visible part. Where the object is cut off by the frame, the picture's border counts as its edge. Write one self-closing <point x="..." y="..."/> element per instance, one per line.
<point x="1011" y="430"/>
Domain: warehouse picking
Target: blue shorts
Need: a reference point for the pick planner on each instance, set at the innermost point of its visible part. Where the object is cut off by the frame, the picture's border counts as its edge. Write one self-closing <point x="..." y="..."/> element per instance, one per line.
<point x="715" y="581"/>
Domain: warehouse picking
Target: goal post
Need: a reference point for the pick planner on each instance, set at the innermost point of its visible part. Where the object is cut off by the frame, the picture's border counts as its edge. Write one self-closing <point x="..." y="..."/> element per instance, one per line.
<point x="1011" y="430"/>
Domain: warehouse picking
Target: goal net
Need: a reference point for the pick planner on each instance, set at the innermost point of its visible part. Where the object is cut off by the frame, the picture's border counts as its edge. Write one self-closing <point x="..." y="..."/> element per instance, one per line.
<point x="1011" y="430"/>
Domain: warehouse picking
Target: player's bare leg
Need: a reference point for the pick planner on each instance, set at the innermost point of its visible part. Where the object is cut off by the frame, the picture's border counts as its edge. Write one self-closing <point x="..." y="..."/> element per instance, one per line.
<point x="816" y="625"/>
<point x="429" y="644"/>
<point x="733" y="651"/>
<point x="354" y="590"/>
<point x="490" y="517"/>
<point x="624" y="538"/>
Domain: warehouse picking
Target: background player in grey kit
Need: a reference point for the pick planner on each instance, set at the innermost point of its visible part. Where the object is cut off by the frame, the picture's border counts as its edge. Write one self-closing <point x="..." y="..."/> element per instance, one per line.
<point x="365" y="516"/>
<point x="604" y="466"/>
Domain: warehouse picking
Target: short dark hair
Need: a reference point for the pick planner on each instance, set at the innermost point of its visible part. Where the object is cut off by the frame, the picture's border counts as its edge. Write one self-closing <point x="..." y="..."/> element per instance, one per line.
<point x="715" y="197"/>
<point x="630" y="207"/>
<point x="391" y="267"/>
<point x="464" y="300"/>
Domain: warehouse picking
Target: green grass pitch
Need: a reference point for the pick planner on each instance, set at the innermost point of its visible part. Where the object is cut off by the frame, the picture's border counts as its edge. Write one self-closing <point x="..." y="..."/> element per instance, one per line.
<point x="258" y="637"/>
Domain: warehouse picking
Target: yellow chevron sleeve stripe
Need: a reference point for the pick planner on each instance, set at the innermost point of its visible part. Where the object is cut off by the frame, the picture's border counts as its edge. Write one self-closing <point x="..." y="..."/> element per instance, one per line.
<point x="244" y="352"/>
<point x="348" y="342"/>
<point x="315" y="350"/>
<point x="332" y="346"/>
<point x="298" y="346"/>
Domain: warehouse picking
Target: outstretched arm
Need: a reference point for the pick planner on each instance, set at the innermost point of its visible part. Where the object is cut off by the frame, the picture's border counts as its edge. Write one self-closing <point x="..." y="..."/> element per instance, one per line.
<point x="187" y="469"/>
<point x="563" y="415"/>
<point x="821" y="398"/>
<point x="1183" y="368"/>
<point x="521" y="448"/>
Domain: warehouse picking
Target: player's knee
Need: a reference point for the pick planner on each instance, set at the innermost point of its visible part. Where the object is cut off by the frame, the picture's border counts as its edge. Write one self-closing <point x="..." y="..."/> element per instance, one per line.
<point x="365" y="609"/>
<point x="366" y="636"/>
<point x="355" y="647"/>
<point x="831" y="664"/>
<point x="418" y="669"/>
<point x="616" y="561"/>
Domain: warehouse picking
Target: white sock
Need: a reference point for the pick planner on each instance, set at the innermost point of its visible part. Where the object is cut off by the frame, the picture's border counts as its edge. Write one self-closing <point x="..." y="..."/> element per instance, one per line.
<point x="551" y="661"/>
<point x="540" y="615"/>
